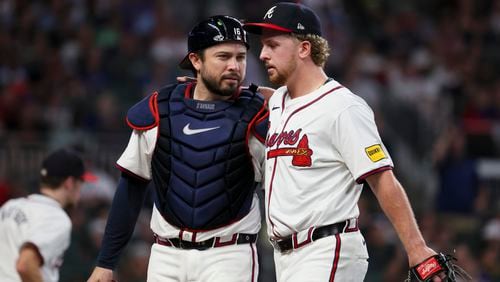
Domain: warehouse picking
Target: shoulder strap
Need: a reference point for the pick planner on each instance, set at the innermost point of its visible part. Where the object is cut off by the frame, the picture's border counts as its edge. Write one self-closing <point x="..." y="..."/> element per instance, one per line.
<point x="144" y="115"/>
<point x="258" y="125"/>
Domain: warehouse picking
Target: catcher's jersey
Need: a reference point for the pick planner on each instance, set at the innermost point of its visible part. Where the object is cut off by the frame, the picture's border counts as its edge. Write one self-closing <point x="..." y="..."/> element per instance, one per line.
<point x="137" y="159"/>
<point x="319" y="149"/>
<point x="39" y="220"/>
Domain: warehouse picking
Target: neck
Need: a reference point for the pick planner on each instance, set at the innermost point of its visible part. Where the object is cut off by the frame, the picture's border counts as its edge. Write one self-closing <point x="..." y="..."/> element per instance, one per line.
<point x="305" y="80"/>
<point x="55" y="194"/>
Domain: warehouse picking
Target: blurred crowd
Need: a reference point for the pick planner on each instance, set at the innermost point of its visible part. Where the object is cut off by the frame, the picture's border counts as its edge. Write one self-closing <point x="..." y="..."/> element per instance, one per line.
<point x="430" y="69"/>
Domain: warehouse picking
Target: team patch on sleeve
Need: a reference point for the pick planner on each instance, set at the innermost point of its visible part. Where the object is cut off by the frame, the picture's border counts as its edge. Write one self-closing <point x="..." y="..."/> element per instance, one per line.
<point x="375" y="153"/>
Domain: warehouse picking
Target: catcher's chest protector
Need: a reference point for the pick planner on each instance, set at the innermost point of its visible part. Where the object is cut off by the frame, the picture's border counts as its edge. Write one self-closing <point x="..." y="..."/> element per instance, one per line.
<point x="202" y="171"/>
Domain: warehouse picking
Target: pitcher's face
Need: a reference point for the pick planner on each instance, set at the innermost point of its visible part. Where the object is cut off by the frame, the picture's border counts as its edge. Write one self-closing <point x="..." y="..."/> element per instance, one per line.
<point x="279" y="54"/>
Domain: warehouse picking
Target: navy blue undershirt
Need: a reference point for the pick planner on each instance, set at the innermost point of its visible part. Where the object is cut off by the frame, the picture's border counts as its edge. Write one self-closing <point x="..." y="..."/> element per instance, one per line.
<point x="125" y="209"/>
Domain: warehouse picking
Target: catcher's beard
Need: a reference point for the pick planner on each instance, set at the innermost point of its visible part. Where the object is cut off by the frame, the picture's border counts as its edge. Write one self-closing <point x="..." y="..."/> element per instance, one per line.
<point x="213" y="85"/>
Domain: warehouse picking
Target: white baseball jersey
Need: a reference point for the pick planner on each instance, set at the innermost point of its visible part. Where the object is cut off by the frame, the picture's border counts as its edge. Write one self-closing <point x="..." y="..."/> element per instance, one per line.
<point x="319" y="149"/>
<point x="137" y="159"/>
<point x="39" y="220"/>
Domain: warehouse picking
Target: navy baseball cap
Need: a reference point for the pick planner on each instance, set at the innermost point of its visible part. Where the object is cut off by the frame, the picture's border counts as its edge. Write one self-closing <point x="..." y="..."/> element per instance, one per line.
<point x="287" y="17"/>
<point x="212" y="31"/>
<point x="64" y="163"/>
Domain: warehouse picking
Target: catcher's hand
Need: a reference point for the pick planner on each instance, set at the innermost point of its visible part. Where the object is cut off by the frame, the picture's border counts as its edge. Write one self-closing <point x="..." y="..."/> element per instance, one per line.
<point x="438" y="265"/>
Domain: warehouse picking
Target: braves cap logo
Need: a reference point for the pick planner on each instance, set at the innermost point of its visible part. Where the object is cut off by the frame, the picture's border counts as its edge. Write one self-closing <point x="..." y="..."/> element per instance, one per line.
<point x="269" y="13"/>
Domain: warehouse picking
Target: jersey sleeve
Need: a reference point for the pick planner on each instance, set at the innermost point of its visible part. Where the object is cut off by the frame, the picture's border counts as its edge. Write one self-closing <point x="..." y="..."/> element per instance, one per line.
<point x="51" y="235"/>
<point x="136" y="159"/>
<point x="356" y="137"/>
<point x="257" y="152"/>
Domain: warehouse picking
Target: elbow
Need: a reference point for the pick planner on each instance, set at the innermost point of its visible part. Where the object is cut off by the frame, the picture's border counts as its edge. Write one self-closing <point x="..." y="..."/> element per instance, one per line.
<point x="29" y="262"/>
<point x="22" y="268"/>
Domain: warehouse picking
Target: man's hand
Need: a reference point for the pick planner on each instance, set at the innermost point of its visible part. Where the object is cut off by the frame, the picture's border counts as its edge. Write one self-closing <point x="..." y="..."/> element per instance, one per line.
<point x="438" y="268"/>
<point x="267" y="92"/>
<point x="420" y="256"/>
<point x="101" y="274"/>
<point x="185" y="78"/>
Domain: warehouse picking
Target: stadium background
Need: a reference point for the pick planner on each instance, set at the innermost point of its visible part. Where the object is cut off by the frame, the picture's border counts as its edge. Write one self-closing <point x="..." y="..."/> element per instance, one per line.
<point x="69" y="69"/>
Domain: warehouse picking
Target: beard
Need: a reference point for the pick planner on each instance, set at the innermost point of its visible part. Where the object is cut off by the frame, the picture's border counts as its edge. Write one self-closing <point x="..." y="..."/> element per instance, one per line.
<point x="215" y="86"/>
<point x="280" y="77"/>
<point x="277" y="79"/>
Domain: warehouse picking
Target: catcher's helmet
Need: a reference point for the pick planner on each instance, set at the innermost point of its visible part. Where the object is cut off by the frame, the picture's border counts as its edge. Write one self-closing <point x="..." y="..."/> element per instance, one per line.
<point x="212" y="31"/>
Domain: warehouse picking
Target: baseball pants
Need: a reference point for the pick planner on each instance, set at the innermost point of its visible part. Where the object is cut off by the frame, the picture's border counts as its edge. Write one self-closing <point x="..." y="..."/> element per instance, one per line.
<point x="340" y="257"/>
<point x="234" y="263"/>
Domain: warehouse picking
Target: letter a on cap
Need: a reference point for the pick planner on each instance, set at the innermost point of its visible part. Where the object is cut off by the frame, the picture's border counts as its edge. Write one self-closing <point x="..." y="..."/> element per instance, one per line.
<point x="269" y="13"/>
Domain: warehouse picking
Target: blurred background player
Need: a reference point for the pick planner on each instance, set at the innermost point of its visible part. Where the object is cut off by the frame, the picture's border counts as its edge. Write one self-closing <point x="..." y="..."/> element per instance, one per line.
<point x="200" y="145"/>
<point x="35" y="230"/>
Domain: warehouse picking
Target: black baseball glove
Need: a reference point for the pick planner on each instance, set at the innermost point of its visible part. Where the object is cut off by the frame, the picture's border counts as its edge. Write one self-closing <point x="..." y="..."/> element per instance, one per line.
<point x="440" y="263"/>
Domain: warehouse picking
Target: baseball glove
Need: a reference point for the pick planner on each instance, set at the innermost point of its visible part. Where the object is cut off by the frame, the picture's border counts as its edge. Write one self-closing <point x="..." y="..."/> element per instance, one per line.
<point x="426" y="270"/>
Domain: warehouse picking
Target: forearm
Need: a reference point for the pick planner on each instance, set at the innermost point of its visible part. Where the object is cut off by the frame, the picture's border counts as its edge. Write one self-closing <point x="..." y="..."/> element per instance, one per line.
<point x="31" y="275"/>
<point x="122" y="218"/>
<point x="395" y="204"/>
<point x="28" y="265"/>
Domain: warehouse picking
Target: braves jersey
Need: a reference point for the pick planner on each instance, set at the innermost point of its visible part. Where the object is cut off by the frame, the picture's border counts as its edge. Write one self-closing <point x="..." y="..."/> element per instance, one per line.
<point x="191" y="126"/>
<point x="39" y="220"/>
<point x="319" y="149"/>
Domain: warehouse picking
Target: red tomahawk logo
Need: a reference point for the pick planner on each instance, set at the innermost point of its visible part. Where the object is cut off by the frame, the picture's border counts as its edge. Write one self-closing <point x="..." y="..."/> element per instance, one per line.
<point x="301" y="154"/>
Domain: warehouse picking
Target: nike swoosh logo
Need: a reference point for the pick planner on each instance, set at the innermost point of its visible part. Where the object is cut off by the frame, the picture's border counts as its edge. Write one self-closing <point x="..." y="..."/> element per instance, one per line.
<point x="188" y="131"/>
<point x="275" y="108"/>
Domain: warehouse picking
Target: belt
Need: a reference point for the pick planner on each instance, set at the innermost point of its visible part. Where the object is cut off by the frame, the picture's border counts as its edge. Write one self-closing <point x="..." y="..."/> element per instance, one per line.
<point x="289" y="243"/>
<point x="237" y="239"/>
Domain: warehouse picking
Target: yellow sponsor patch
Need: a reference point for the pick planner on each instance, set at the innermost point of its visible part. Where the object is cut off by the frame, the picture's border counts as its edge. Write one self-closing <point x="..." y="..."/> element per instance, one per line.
<point x="375" y="153"/>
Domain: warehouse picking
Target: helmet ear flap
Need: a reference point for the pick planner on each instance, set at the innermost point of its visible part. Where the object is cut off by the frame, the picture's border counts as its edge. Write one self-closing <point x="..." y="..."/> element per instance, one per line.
<point x="212" y="31"/>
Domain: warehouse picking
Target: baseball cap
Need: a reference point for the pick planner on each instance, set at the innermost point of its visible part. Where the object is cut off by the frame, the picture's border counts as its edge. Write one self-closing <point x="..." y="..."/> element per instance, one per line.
<point x="287" y="17"/>
<point x="65" y="163"/>
<point x="212" y="31"/>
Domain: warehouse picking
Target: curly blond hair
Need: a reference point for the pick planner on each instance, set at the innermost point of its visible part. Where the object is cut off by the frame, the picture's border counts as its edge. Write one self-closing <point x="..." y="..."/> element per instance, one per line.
<point x="320" y="51"/>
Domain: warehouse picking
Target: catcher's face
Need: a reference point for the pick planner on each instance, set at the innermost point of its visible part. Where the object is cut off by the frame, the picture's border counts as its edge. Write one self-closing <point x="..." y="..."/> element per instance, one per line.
<point x="222" y="68"/>
<point x="280" y="55"/>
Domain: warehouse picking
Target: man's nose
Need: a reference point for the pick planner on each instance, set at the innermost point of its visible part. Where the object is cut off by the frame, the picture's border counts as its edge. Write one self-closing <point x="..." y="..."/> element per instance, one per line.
<point x="263" y="54"/>
<point x="233" y="64"/>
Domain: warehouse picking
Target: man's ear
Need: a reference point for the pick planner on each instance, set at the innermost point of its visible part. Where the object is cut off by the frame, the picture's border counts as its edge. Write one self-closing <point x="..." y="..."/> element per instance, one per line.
<point x="69" y="182"/>
<point x="304" y="49"/>
<point x="195" y="61"/>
